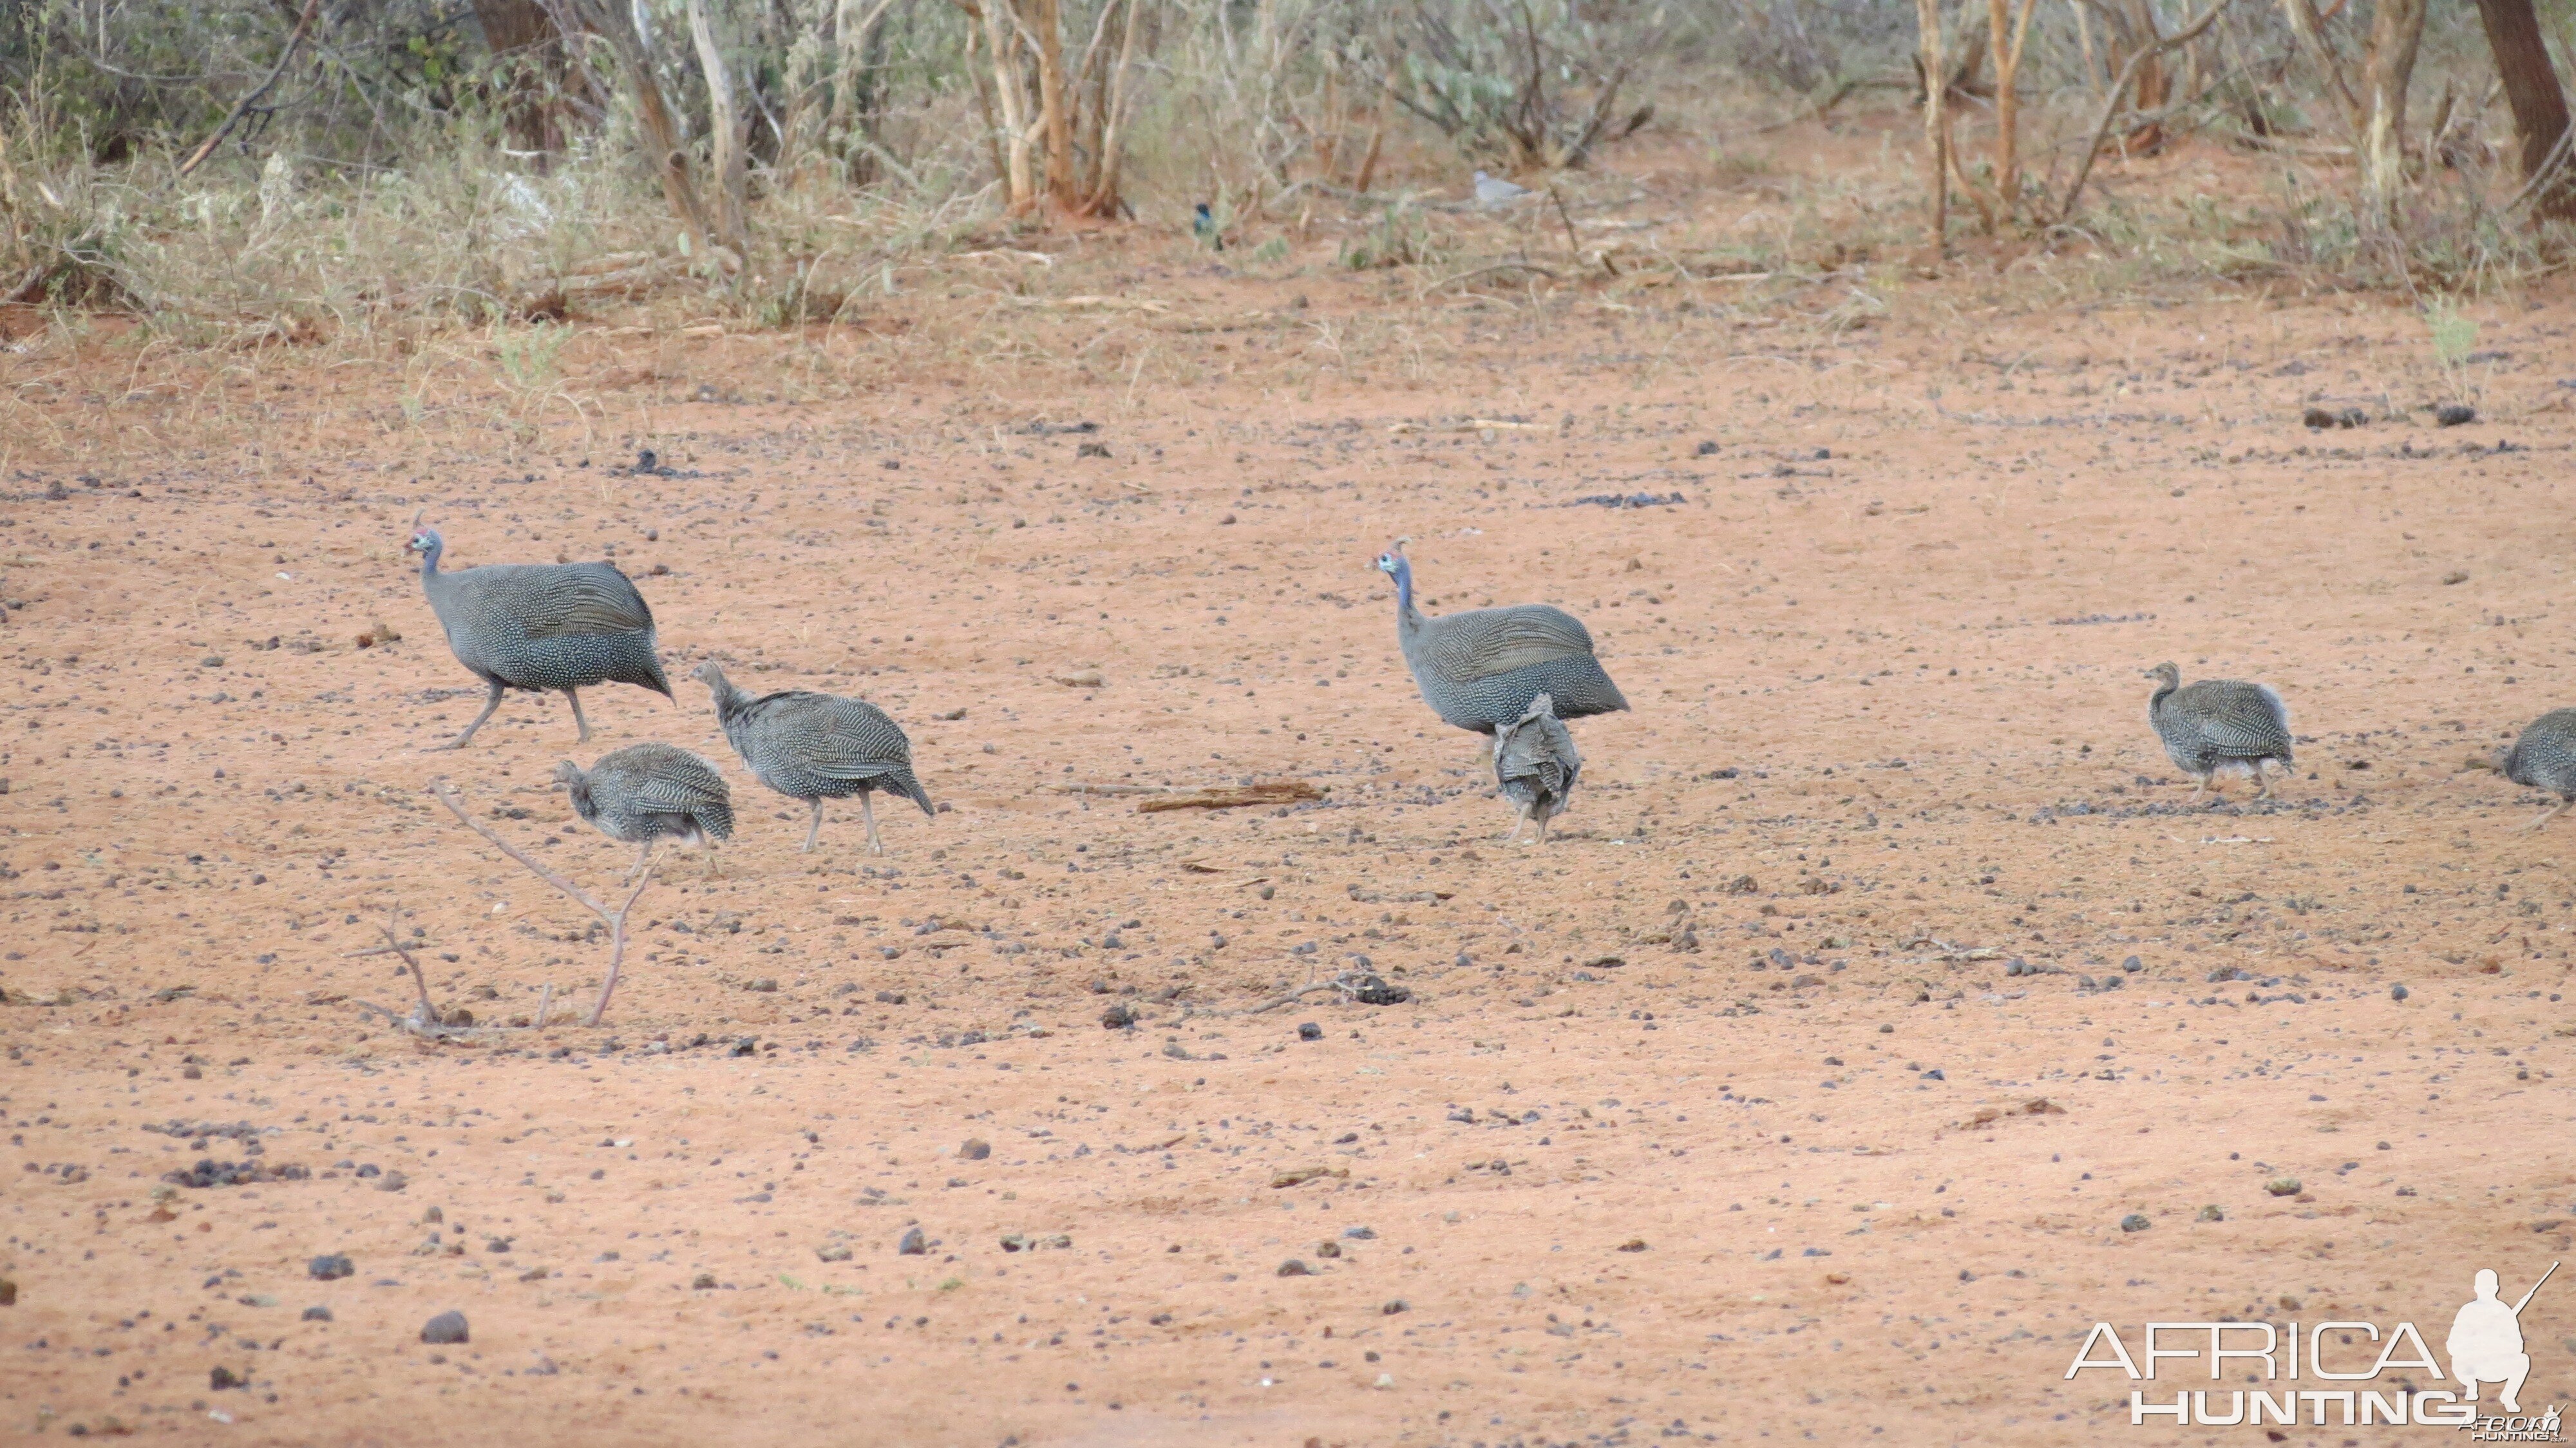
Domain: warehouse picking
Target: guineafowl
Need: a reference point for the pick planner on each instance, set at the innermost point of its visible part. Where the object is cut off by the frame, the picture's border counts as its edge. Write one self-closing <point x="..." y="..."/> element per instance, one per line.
<point x="1535" y="762"/>
<point x="816" y="747"/>
<point x="2545" y="758"/>
<point x="541" y="626"/>
<point x="2218" y="724"/>
<point x="649" y="792"/>
<point x="1480" y="669"/>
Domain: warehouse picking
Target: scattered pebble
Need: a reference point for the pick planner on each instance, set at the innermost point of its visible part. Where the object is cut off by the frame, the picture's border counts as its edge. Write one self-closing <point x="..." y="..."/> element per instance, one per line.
<point x="2397" y="992"/>
<point x="912" y="1243"/>
<point x="2211" y="1213"/>
<point x="1310" y="1031"/>
<point x="2282" y="1186"/>
<point x="317" y="1313"/>
<point x="330" y="1266"/>
<point x="446" y="1329"/>
<point x="975" y="1149"/>
<point x="2135" y="1222"/>
<point x="1295" y="1267"/>
<point x="2454" y="414"/>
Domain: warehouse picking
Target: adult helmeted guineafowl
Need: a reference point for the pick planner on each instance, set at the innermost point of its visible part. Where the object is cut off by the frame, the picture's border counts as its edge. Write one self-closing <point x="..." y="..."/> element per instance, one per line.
<point x="1535" y="762"/>
<point x="2218" y="724"/>
<point x="1480" y="669"/>
<point x="649" y="792"/>
<point x="541" y="626"/>
<point x="2545" y="758"/>
<point x="816" y="747"/>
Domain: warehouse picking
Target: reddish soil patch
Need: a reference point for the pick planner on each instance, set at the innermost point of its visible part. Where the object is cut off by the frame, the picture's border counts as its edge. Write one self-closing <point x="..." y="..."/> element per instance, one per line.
<point x="1710" y="1119"/>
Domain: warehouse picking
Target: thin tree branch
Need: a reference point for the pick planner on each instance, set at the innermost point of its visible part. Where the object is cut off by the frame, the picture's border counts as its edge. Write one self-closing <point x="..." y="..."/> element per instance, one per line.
<point x="2120" y="87"/>
<point x="286" y="57"/>
<point x="615" y="920"/>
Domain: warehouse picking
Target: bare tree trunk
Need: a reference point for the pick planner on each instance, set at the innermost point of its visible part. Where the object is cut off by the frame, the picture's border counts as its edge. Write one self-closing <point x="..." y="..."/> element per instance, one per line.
<point x="2008" y="102"/>
<point x="854" y="90"/>
<point x="2396" y="29"/>
<point x="2311" y="30"/>
<point x="522" y="31"/>
<point x="984" y="104"/>
<point x="613" y="21"/>
<point x="2531" y="89"/>
<point x="1104" y="199"/>
<point x="1044" y="22"/>
<point x="1936" y="115"/>
<point x="1011" y="88"/>
<point x="725" y="117"/>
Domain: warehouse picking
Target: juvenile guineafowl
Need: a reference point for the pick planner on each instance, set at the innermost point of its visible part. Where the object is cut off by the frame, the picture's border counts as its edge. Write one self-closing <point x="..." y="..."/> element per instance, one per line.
<point x="1480" y="669"/>
<point x="541" y="626"/>
<point x="649" y="792"/>
<point x="816" y="747"/>
<point x="2218" y="724"/>
<point x="1535" y="763"/>
<point x="2545" y="758"/>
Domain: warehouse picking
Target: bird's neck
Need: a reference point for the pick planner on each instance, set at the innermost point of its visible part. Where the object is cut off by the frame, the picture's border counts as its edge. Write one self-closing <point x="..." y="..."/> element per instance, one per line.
<point x="1405" y="613"/>
<point x="2163" y="692"/>
<point x="429" y="565"/>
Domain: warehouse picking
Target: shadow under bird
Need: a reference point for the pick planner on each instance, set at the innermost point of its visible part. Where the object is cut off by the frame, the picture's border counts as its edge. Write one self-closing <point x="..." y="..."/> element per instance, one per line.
<point x="541" y="626"/>
<point x="2219" y="726"/>
<point x="816" y="747"/>
<point x="1535" y="763"/>
<point x="2545" y="758"/>
<point x="650" y="792"/>
<point x="1480" y="669"/>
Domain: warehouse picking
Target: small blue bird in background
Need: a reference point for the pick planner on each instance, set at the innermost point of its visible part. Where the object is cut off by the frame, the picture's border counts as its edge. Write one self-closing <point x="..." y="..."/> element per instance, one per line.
<point x="1495" y="191"/>
<point x="1203" y="226"/>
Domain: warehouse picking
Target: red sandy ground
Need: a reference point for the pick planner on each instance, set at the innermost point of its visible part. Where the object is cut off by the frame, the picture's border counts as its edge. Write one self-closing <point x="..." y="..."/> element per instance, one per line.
<point x="1889" y="709"/>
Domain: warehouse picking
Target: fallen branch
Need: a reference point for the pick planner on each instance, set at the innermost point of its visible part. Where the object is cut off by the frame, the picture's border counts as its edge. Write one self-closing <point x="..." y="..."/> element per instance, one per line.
<point x="1233" y="796"/>
<point x="285" y="58"/>
<point x="1091" y="304"/>
<point x="615" y="920"/>
<point x="1508" y="266"/>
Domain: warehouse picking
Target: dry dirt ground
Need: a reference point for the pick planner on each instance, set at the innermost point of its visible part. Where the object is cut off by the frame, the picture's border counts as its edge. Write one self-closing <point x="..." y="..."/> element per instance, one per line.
<point x="1718" y="1118"/>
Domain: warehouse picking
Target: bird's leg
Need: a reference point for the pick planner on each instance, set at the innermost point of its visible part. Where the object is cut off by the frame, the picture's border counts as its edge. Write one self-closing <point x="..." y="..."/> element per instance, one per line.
<point x="712" y="871"/>
<point x="1542" y="829"/>
<point x="2551" y="814"/>
<point x="575" y="696"/>
<point x="2262" y="781"/>
<point x="2200" y="787"/>
<point x="489" y="705"/>
<point x="642" y="858"/>
<point x="813" y="829"/>
<point x="1520" y="816"/>
<point x="867" y="812"/>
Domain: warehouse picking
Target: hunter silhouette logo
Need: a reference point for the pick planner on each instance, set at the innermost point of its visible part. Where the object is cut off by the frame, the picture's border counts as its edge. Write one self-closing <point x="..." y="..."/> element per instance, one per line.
<point x="2485" y="1346"/>
<point x="2486" y="1340"/>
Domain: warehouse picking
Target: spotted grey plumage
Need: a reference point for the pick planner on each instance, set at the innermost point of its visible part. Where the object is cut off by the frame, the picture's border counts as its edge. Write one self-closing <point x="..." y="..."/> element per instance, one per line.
<point x="816" y="747"/>
<point x="1481" y="668"/>
<point x="2545" y="758"/>
<point x="2218" y="725"/>
<point x="543" y="626"/>
<point x="1535" y="763"/>
<point x="650" y="792"/>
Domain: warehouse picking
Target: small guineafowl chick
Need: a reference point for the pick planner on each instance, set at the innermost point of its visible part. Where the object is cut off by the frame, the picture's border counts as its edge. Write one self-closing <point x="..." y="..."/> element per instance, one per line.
<point x="541" y="626"/>
<point x="816" y="747"/>
<point x="2545" y="758"/>
<point x="1535" y="762"/>
<point x="2218" y="725"/>
<point x="649" y="792"/>
<point x="1481" y="668"/>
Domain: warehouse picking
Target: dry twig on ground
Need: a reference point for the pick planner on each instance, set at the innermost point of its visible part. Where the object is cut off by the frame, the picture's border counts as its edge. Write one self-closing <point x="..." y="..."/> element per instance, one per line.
<point x="615" y="919"/>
